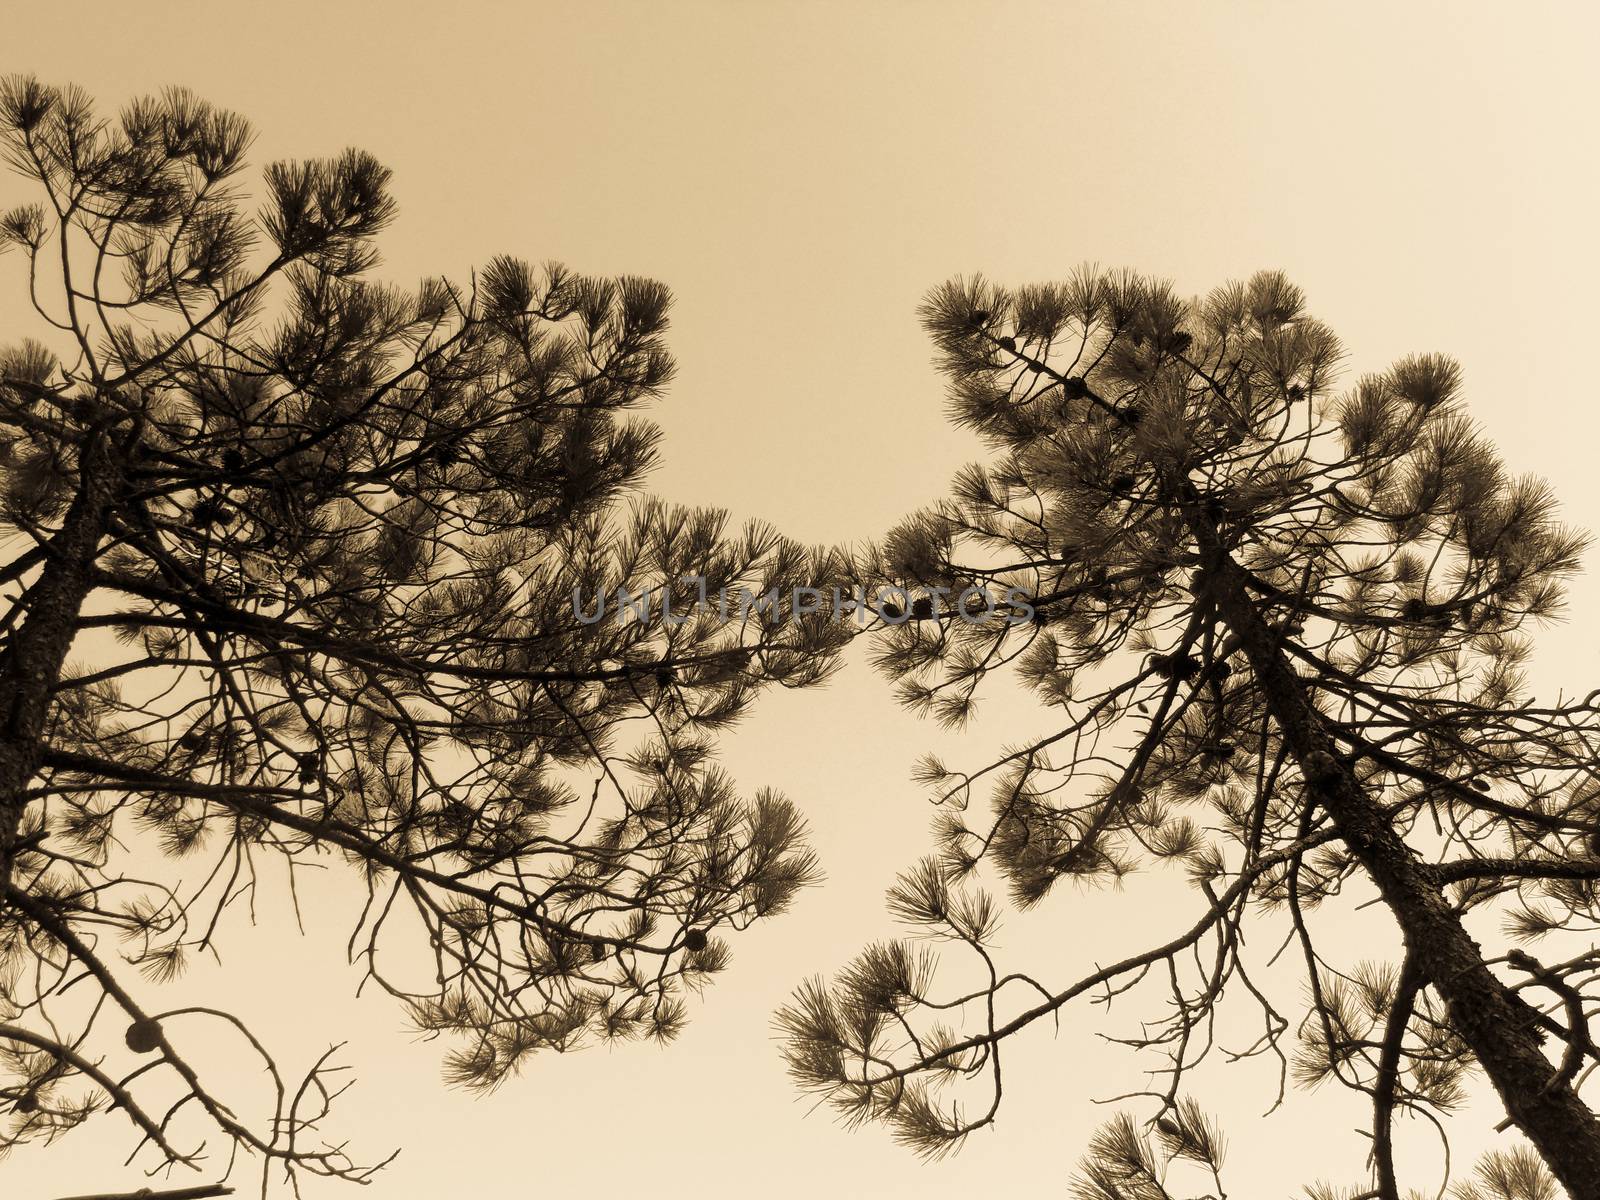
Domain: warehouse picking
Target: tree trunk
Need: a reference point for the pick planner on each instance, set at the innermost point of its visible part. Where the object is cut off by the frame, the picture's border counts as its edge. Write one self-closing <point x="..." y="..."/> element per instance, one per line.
<point x="1494" y="1021"/>
<point x="30" y="663"/>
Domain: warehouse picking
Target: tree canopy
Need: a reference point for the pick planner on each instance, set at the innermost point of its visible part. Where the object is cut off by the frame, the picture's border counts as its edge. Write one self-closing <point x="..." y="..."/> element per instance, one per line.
<point x="1280" y="626"/>
<point x="293" y="565"/>
<point x="291" y="562"/>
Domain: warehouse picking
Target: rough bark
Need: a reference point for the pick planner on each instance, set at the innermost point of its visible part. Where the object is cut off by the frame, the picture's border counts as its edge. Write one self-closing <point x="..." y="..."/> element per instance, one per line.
<point x="1494" y="1021"/>
<point x="30" y="663"/>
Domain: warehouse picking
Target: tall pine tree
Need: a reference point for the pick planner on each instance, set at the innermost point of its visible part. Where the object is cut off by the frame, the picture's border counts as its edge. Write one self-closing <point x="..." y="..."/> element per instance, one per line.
<point x="291" y="566"/>
<point x="1280" y="628"/>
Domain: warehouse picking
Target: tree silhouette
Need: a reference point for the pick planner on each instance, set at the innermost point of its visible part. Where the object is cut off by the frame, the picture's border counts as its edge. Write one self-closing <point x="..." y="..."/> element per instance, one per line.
<point x="293" y="561"/>
<point x="1281" y="630"/>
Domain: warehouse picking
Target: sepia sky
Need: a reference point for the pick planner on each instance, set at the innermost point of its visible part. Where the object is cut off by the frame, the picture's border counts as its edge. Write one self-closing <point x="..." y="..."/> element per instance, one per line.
<point x="800" y="173"/>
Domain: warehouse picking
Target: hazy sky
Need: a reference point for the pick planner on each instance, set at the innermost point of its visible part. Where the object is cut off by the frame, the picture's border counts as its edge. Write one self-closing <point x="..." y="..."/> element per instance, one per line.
<point x="800" y="173"/>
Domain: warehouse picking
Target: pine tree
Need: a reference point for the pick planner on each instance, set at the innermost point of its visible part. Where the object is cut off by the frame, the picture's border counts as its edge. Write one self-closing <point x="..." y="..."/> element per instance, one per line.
<point x="1280" y="628"/>
<point x="292" y="562"/>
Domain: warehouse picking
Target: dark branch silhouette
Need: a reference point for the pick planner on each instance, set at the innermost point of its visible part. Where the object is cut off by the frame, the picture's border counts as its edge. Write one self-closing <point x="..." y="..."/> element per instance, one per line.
<point x="1281" y="629"/>
<point x="291" y="559"/>
<point x="204" y="1191"/>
